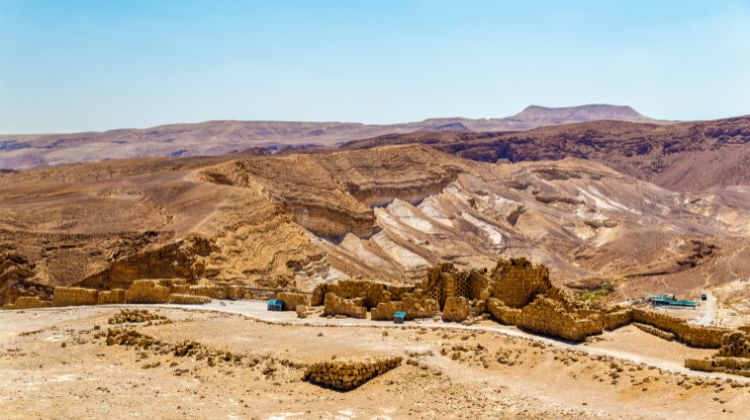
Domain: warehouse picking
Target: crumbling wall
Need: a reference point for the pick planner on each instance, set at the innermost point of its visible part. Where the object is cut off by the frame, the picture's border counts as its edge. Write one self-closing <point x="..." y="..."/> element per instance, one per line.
<point x="74" y="296"/>
<point x="349" y="374"/>
<point x="516" y="282"/>
<point x="372" y="293"/>
<point x="456" y="309"/>
<point x="292" y="300"/>
<point x="110" y="297"/>
<point x="188" y="299"/>
<point x="735" y="344"/>
<point x="551" y="317"/>
<point x="28" y="302"/>
<point x="666" y="335"/>
<point x="616" y="318"/>
<point x="211" y="291"/>
<point x="335" y="305"/>
<point x="502" y="313"/>
<point x="413" y="306"/>
<point x="147" y="291"/>
<point x="690" y="334"/>
<point x="733" y="365"/>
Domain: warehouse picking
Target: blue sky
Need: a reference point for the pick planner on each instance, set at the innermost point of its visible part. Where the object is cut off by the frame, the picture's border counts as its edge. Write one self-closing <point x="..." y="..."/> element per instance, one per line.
<point x="92" y="65"/>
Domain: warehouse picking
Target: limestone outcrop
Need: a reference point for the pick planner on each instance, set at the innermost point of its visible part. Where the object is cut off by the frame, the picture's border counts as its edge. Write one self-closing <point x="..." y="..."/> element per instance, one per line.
<point x="346" y="375"/>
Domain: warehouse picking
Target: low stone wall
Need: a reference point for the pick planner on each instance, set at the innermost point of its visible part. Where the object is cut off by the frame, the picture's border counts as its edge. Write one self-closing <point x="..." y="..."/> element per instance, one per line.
<point x="733" y="365"/>
<point x="188" y="299"/>
<point x="110" y="297"/>
<point x="74" y="296"/>
<point x="415" y="308"/>
<point x="736" y="344"/>
<point x="502" y="313"/>
<point x="456" y="309"/>
<point x="348" y="374"/>
<point x="335" y="305"/>
<point x="147" y="291"/>
<point x="690" y="334"/>
<point x="614" y="319"/>
<point x="666" y="335"/>
<point x="372" y="293"/>
<point x="550" y="317"/>
<point x="28" y="302"/>
<point x="213" y="291"/>
<point x="292" y="300"/>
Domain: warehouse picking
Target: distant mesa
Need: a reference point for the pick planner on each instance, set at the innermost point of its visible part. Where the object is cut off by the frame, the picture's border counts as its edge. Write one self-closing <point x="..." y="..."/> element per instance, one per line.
<point x="215" y="138"/>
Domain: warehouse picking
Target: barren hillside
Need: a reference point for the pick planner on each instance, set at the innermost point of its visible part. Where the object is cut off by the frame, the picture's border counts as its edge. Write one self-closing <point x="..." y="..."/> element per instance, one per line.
<point x="389" y="213"/>
<point x="691" y="156"/>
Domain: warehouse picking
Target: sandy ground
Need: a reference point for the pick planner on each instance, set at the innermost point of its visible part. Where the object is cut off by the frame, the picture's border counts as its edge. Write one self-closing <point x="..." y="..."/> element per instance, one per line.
<point x="55" y="363"/>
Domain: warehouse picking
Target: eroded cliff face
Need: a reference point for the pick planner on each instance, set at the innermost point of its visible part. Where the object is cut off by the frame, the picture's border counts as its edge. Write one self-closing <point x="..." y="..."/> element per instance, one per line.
<point x="332" y="195"/>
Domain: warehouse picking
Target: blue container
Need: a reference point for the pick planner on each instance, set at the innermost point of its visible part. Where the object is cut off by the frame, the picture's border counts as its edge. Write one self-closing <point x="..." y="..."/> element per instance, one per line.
<point x="399" y="317"/>
<point x="275" y="305"/>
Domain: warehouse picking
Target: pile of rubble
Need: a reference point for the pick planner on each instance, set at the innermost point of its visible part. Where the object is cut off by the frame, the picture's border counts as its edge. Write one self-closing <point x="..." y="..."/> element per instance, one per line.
<point x="126" y="316"/>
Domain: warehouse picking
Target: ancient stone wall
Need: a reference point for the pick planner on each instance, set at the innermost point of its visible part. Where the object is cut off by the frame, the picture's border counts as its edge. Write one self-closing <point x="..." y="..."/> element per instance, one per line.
<point x="666" y="335"/>
<point x="335" y="305"/>
<point x="456" y="309"/>
<point x="348" y="374"/>
<point x="517" y="282"/>
<point x="74" y="296"/>
<point x="188" y="299"/>
<point x="614" y="319"/>
<point x="110" y="297"/>
<point x="502" y="313"/>
<point x="690" y="334"/>
<point x="413" y="306"/>
<point x="551" y="317"/>
<point x="28" y="302"/>
<point x="292" y="300"/>
<point x="735" y="344"/>
<point x="373" y="293"/>
<point x="147" y="291"/>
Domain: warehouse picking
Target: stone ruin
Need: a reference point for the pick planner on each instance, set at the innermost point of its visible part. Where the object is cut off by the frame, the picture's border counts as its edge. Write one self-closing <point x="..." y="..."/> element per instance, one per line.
<point x="345" y="375"/>
<point x="732" y="357"/>
<point x="176" y="291"/>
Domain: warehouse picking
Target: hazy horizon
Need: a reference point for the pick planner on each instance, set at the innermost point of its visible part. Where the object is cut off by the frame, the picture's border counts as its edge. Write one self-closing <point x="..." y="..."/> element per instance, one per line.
<point x="94" y="66"/>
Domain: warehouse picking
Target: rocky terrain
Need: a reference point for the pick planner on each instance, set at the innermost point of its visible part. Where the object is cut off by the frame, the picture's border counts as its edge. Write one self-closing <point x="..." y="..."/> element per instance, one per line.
<point x="263" y="137"/>
<point x="689" y="156"/>
<point x="387" y="213"/>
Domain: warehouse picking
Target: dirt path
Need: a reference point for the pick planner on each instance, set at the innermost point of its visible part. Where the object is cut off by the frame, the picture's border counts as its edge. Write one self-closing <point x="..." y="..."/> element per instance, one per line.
<point x="257" y="310"/>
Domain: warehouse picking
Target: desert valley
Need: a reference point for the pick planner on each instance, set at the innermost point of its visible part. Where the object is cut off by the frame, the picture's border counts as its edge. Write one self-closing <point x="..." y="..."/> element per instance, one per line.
<point x="492" y="268"/>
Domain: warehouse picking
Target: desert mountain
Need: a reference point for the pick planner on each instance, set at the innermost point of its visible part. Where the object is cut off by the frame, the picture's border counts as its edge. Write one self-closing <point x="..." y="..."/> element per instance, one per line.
<point x="222" y="137"/>
<point x="690" y="156"/>
<point x="387" y="212"/>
